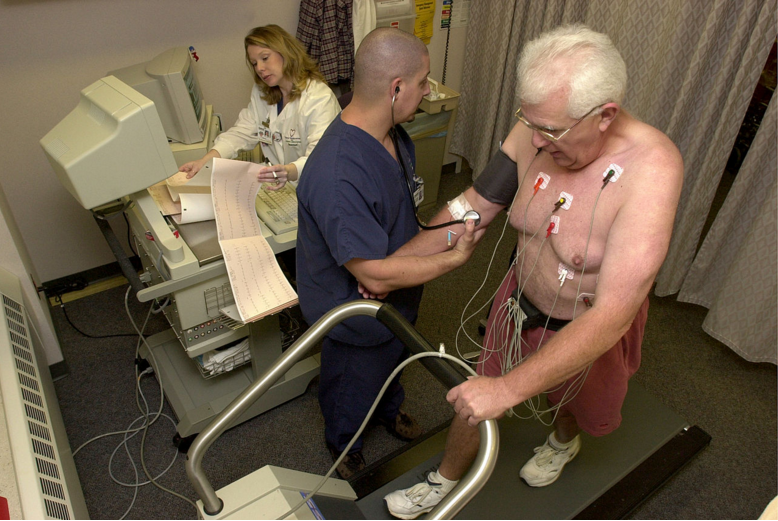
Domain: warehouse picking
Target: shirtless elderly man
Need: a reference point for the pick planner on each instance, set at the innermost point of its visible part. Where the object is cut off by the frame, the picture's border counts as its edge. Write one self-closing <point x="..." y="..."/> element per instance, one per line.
<point x="595" y="204"/>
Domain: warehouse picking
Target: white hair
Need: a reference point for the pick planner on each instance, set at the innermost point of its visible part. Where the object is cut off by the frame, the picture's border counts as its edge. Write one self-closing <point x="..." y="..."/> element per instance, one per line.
<point x="575" y="58"/>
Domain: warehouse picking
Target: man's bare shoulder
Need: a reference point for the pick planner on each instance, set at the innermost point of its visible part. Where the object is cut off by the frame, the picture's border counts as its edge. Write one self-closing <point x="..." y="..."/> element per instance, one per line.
<point x="653" y="185"/>
<point x="650" y="151"/>
<point x="518" y="146"/>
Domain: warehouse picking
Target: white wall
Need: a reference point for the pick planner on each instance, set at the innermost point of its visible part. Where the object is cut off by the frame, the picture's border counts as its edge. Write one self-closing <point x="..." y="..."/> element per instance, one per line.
<point x="15" y="259"/>
<point x="49" y="51"/>
<point x="456" y="52"/>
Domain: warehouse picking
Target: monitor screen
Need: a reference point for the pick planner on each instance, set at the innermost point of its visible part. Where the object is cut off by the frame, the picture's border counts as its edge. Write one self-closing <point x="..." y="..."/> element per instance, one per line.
<point x="169" y="81"/>
<point x="111" y="145"/>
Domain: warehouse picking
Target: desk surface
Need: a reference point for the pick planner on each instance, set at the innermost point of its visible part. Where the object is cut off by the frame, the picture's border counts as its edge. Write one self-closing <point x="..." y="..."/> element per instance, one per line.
<point x="201" y="239"/>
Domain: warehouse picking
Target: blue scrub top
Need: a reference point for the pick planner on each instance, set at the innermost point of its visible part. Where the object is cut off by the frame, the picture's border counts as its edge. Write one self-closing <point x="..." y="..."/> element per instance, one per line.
<point x="353" y="203"/>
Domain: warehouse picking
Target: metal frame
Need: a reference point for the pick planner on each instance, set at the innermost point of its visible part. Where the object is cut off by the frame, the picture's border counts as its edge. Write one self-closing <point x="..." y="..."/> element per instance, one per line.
<point x="468" y="487"/>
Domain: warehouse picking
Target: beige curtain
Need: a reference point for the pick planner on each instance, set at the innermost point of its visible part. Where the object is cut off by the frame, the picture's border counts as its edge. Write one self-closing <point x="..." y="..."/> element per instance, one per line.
<point x="734" y="273"/>
<point x="498" y="30"/>
<point x="693" y="66"/>
<point x="707" y="116"/>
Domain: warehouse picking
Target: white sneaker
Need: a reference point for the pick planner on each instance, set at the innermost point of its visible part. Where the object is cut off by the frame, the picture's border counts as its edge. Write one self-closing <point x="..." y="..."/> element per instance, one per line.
<point x="546" y="465"/>
<point x="415" y="501"/>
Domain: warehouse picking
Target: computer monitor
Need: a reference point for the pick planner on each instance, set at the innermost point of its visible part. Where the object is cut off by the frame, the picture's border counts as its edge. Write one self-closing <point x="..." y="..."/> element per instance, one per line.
<point x="111" y="145"/>
<point x="169" y="81"/>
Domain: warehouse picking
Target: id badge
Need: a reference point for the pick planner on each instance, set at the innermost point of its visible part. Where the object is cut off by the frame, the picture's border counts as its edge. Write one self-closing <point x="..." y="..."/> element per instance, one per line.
<point x="418" y="194"/>
<point x="264" y="136"/>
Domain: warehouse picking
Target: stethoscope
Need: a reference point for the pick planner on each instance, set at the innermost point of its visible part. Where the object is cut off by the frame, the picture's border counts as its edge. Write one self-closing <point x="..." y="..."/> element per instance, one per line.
<point x="471" y="215"/>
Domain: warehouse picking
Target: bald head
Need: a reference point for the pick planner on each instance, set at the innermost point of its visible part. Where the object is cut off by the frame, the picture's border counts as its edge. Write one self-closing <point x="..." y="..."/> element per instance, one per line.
<point x="383" y="55"/>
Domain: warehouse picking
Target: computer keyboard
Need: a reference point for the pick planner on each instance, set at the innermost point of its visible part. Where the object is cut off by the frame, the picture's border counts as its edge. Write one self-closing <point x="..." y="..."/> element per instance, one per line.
<point x="252" y="156"/>
<point x="278" y="209"/>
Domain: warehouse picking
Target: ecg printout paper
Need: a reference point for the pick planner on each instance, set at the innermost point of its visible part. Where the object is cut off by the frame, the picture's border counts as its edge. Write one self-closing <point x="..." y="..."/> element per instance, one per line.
<point x="258" y="284"/>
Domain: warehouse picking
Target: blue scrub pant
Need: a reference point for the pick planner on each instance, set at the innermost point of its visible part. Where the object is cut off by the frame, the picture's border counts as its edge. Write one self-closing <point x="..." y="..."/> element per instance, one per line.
<point x="350" y="379"/>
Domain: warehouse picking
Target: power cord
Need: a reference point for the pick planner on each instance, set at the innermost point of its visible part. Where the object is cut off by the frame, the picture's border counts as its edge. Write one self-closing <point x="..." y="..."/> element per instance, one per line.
<point x="129" y="235"/>
<point x="58" y="299"/>
<point x="141" y="338"/>
<point x="135" y="486"/>
<point x="290" y="329"/>
<point x="145" y="417"/>
<point x="448" y="35"/>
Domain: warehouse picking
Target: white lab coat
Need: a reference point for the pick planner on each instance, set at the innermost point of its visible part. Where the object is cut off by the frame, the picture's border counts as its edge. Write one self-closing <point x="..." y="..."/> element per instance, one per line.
<point x="285" y="138"/>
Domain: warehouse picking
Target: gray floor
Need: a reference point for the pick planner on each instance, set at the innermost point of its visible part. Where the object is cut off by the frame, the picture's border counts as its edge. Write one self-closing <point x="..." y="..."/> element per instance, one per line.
<point x="692" y="374"/>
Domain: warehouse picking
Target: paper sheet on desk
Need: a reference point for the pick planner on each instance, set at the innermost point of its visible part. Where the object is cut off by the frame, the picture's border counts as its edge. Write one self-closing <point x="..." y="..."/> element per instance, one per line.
<point x="190" y="208"/>
<point x="258" y="284"/>
<point x="179" y="183"/>
<point x="162" y="197"/>
<point x="195" y="208"/>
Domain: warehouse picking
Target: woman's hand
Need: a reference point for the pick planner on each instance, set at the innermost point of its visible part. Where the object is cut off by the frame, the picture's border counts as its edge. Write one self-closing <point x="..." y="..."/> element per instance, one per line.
<point x="276" y="176"/>
<point x="192" y="167"/>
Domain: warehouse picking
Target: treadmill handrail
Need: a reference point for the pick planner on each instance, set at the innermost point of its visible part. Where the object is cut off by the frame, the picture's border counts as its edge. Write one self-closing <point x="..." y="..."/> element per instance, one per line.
<point x="468" y="487"/>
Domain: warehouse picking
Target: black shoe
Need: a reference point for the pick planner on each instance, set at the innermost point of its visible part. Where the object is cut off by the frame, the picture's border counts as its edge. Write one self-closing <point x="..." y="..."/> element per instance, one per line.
<point x="403" y="427"/>
<point x="351" y="464"/>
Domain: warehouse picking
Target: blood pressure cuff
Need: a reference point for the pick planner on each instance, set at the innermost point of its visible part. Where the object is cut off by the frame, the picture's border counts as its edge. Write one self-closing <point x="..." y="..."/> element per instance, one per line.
<point x="499" y="181"/>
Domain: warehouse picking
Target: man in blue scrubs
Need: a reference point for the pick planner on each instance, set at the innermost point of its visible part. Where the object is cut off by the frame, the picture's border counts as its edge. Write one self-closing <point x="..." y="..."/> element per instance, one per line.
<point x="356" y="209"/>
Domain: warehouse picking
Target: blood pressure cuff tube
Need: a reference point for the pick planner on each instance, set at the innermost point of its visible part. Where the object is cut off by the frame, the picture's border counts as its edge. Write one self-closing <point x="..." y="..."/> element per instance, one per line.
<point x="499" y="181"/>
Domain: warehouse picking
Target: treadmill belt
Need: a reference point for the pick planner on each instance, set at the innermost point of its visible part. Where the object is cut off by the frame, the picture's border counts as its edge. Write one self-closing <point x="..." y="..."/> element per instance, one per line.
<point x="602" y="463"/>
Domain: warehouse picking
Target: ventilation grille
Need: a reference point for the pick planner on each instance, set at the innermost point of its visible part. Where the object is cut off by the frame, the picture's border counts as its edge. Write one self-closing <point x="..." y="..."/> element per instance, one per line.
<point x="50" y="477"/>
<point x="57" y="148"/>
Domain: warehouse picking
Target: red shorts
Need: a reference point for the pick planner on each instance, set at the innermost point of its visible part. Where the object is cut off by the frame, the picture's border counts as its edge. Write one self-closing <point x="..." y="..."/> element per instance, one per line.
<point x="597" y="405"/>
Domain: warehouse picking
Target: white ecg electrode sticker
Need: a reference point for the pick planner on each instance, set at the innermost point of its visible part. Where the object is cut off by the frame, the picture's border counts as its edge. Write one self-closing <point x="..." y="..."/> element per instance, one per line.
<point x="563" y="268"/>
<point x="546" y="178"/>
<point x="555" y="220"/>
<point x="568" y="200"/>
<point x="617" y="172"/>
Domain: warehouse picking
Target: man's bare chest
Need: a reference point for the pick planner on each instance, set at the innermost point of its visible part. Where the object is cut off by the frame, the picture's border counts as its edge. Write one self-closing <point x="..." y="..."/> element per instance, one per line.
<point x="569" y="214"/>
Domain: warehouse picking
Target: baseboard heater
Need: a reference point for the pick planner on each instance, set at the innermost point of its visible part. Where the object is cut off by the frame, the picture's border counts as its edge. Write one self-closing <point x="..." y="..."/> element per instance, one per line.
<point x="36" y="447"/>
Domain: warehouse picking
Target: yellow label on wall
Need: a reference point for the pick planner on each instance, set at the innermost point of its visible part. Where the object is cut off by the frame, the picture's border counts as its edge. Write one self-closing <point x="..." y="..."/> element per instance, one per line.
<point x="425" y="13"/>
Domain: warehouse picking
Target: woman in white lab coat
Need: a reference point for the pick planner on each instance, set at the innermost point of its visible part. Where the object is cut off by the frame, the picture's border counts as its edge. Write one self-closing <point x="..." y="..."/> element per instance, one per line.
<point x="290" y="108"/>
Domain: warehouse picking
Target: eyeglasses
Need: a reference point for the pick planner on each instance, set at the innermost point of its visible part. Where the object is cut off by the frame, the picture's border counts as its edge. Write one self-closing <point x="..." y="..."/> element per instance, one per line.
<point x="550" y="134"/>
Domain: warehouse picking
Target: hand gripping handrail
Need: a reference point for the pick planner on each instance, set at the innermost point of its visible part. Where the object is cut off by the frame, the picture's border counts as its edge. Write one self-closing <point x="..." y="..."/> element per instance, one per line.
<point x="468" y="487"/>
